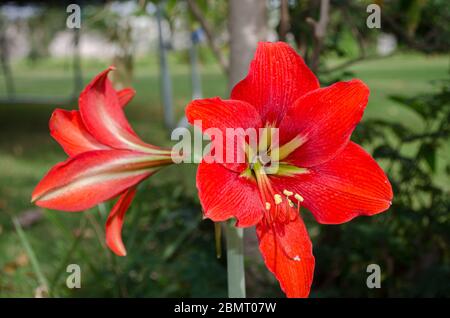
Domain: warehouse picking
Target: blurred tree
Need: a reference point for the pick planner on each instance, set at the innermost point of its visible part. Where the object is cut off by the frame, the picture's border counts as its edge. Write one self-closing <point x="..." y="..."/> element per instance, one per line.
<point x="42" y="27"/>
<point x="208" y="19"/>
<point x="5" y="60"/>
<point x="114" y="20"/>
<point x="418" y="24"/>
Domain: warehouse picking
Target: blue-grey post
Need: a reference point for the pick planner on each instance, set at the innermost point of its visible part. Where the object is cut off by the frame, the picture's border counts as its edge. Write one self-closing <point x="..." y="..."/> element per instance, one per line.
<point x="77" y="73"/>
<point x="196" y="37"/>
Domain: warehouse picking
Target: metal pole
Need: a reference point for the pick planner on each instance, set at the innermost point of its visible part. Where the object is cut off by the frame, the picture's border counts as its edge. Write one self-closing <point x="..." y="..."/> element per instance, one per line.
<point x="195" y="74"/>
<point x="77" y="74"/>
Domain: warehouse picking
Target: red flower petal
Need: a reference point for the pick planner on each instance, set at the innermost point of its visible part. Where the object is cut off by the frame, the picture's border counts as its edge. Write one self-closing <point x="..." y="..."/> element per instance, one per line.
<point x="222" y="114"/>
<point x="349" y="185"/>
<point x="125" y="96"/>
<point x="104" y="118"/>
<point x="215" y="113"/>
<point x="89" y="178"/>
<point x="115" y="222"/>
<point x="324" y="119"/>
<point x="276" y="79"/>
<point x="294" y="275"/>
<point x="286" y="230"/>
<point x="67" y="128"/>
<point x="224" y="194"/>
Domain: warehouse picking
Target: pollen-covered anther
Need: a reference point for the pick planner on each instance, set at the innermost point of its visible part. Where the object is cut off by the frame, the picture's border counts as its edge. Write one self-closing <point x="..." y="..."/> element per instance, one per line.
<point x="291" y="204"/>
<point x="287" y="193"/>
<point x="277" y="199"/>
<point x="267" y="206"/>
<point x="299" y="197"/>
<point x="297" y="258"/>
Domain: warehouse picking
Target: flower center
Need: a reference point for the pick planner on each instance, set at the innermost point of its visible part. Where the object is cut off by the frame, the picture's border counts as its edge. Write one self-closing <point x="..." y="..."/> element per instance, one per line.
<point x="270" y="159"/>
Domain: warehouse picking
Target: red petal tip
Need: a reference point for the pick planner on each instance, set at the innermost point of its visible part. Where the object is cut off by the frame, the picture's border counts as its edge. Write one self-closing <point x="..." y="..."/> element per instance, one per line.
<point x="120" y="252"/>
<point x="100" y="77"/>
<point x="114" y="224"/>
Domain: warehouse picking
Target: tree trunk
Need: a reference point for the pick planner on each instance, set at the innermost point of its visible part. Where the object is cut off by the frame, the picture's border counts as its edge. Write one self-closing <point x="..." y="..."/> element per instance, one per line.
<point x="285" y="23"/>
<point x="247" y="25"/>
<point x="320" y="30"/>
<point x="4" y="61"/>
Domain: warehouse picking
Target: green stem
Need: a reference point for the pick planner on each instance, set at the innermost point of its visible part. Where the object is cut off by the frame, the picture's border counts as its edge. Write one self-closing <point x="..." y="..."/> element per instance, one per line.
<point x="235" y="261"/>
<point x="32" y="256"/>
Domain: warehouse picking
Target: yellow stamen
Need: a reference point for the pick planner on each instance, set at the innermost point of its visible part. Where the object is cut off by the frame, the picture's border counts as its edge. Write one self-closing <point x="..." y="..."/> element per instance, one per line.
<point x="287" y="193"/>
<point x="277" y="199"/>
<point x="290" y="203"/>
<point x="299" y="197"/>
<point x="267" y="206"/>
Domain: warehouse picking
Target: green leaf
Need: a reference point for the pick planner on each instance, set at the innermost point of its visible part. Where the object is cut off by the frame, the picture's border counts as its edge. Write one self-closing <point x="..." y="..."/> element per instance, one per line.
<point x="427" y="152"/>
<point x="412" y="103"/>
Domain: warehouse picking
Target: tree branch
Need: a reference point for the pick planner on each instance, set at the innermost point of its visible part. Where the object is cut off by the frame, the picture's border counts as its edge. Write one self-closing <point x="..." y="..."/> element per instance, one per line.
<point x="398" y="31"/>
<point x="285" y="23"/>
<point x="197" y="13"/>
<point x="354" y="61"/>
<point x="355" y="31"/>
<point x="320" y="29"/>
<point x="361" y="45"/>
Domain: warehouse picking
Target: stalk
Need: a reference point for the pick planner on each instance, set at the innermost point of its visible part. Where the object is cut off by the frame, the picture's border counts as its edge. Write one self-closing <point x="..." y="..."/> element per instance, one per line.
<point x="235" y="260"/>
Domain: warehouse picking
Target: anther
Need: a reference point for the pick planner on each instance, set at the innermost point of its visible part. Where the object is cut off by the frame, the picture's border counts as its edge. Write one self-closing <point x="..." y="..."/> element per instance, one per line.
<point x="278" y="199"/>
<point x="267" y="206"/>
<point x="298" y="197"/>
<point x="290" y="203"/>
<point x="287" y="193"/>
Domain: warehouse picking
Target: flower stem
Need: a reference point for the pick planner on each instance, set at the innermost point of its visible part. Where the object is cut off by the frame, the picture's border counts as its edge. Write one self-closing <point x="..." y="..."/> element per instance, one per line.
<point x="218" y="237"/>
<point x="235" y="260"/>
<point x="43" y="282"/>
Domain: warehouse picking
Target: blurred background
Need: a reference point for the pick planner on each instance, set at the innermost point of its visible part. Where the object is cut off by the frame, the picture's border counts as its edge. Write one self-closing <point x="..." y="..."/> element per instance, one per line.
<point x="174" y="51"/>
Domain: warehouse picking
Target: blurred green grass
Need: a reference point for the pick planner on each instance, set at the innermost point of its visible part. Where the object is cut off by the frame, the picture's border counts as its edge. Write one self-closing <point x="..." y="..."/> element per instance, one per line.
<point x="27" y="152"/>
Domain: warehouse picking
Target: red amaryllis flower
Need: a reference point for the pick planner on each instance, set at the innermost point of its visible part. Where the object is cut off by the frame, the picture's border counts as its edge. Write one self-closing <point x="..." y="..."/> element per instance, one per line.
<point x="319" y="167"/>
<point x="106" y="157"/>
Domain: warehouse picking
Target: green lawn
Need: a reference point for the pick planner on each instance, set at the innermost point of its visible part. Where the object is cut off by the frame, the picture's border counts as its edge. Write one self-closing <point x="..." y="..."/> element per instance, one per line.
<point x="399" y="75"/>
<point x="27" y="152"/>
